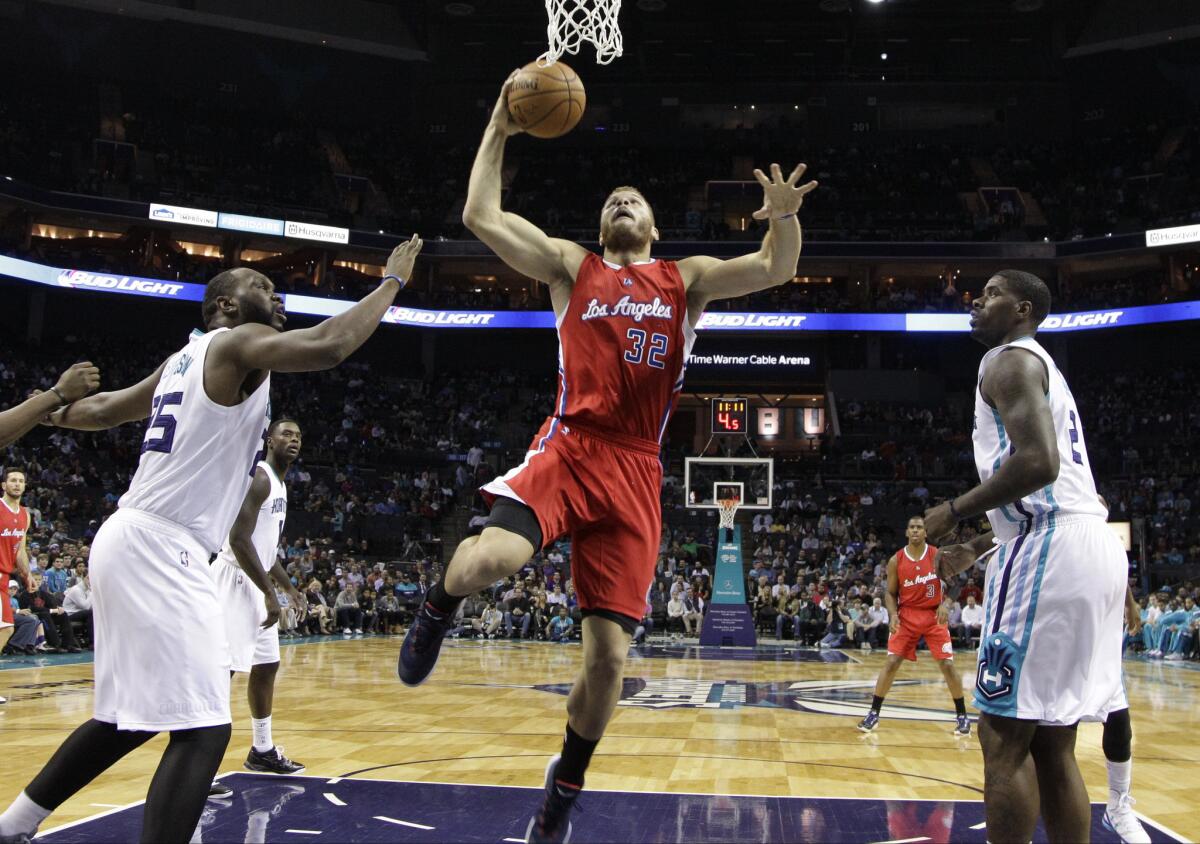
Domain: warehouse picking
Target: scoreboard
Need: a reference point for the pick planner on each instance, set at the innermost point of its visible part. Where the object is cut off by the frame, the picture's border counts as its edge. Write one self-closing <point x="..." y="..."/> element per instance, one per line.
<point x="730" y="416"/>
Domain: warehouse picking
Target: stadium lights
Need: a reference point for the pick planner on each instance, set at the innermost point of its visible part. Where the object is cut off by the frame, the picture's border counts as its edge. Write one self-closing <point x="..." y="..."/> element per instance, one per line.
<point x="874" y="2"/>
<point x="883" y="56"/>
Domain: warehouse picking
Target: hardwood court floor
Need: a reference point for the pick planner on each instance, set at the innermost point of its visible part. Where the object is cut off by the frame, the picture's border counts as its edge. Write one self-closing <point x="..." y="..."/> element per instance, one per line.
<point x="766" y="723"/>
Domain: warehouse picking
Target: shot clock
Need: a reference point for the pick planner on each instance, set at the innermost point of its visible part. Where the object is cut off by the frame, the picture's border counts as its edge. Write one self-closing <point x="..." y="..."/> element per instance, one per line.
<point x="730" y="416"/>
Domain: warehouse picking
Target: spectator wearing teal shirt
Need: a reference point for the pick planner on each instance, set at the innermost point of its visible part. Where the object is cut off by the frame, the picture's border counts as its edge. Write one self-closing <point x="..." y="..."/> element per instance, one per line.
<point x="560" y="627"/>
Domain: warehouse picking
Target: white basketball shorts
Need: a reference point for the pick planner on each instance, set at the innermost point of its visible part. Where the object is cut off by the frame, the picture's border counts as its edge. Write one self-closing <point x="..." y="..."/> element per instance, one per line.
<point x="245" y="610"/>
<point x="1050" y="649"/>
<point x="162" y="662"/>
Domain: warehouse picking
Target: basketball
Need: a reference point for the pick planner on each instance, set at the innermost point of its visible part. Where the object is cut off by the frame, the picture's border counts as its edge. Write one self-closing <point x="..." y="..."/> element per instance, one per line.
<point x="546" y="102"/>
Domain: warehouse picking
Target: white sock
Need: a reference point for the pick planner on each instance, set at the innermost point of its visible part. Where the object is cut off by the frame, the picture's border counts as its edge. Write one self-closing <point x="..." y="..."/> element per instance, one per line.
<point x="1120" y="775"/>
<point x="23" y="816"/>
<point x="256" y="827"/>
<point x="262" y="734"/>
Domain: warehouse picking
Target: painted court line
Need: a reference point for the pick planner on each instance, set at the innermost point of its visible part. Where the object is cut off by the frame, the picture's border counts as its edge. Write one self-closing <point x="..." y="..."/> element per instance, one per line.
<point x="906" y="840"/>
<point x="303" y="831"/>
<point x="402" y="823"/>
<point x="514" y="840"/>
<point x="980" y="825"/>
<point x="333" y="798"/>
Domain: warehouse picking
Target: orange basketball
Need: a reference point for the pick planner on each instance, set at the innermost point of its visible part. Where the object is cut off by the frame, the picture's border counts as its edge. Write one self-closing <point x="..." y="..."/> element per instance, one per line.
<point x="546" y="101"/>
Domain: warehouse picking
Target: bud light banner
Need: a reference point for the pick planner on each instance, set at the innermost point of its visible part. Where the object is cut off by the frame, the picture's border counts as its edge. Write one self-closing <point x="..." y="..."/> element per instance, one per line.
<point x="715" y="321"/>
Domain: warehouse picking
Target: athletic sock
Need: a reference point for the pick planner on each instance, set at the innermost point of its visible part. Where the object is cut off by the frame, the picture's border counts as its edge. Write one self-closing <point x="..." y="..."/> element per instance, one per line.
<point x="23" y="816"/>
<point x="876" y="704"/>
<point x="261" y="728"/>
<point x="576" y="755"/>
<point x="439" y="600"/>
<point x="256" y="826"/>
<point x="960" y="707"/>
<point x="1120" y="775"/>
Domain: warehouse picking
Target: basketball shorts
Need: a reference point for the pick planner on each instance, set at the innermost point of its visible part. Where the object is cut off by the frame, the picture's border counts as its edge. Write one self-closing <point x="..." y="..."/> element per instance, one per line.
<point x="913" y="625"/>
<point x="245" y="610"/>
<point x="162" y="662"/>
<point x="603" y="492"/>
<point x="1050" y="648"/>
<point x="6" y="610"/>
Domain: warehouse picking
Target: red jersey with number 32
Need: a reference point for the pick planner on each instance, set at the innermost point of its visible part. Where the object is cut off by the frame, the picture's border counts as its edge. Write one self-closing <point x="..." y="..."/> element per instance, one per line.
<point x="623" y="344"/>
<point x="12" y="532"/>
<point x="920" y="587"/>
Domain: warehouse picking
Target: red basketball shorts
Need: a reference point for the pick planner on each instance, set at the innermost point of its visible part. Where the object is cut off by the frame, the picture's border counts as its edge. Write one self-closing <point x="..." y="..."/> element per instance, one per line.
<point x="915" y="624"/>
<point x="603" y="492"/>
<point x="6" y="611"/>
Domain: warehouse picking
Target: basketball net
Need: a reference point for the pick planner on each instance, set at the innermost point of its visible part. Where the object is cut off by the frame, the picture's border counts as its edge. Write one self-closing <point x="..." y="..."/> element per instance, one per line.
<point x="574" y="21"/>
<point x="726" y="510"/>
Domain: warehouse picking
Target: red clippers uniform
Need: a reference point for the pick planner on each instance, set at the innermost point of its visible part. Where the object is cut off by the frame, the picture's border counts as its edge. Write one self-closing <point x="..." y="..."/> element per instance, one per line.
<point x="593" y="470"/>
<point x="13" y="525"/>
<point x="920" y="596"/>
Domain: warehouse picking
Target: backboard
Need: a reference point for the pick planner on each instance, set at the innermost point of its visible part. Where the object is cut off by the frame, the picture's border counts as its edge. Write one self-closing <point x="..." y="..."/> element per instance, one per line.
<point x="708" y="479"/>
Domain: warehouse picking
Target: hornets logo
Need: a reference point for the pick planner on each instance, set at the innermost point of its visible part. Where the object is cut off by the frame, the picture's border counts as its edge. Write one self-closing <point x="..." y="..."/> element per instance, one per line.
<point x="996" y="675"/>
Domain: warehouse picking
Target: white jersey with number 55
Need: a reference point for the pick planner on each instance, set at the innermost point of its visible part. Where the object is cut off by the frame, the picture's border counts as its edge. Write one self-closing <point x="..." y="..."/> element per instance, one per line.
<point x="1074" y="491"/>
<point x="198" y="457"/>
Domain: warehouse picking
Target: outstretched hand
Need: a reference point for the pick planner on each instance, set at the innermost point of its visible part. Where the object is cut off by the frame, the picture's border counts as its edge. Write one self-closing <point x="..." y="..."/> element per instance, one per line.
<point x="782" y="197"/>
<point x="400" y="262"/>
<point x="502" y="118"/>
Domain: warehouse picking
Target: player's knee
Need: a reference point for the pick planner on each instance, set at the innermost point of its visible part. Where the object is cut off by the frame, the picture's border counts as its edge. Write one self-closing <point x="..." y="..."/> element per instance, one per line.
<point x="497" y="558"/>
<point x="607" y="667"/>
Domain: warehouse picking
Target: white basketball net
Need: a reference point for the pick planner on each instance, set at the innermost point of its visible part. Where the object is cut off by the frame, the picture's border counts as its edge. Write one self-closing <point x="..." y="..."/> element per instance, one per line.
<point x="574" y="21"/>
<point x="726" y="510"/>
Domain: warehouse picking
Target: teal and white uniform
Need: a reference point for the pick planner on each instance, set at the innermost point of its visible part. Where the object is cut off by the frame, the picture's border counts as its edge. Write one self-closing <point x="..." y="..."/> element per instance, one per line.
<point x="1054" y="597"/>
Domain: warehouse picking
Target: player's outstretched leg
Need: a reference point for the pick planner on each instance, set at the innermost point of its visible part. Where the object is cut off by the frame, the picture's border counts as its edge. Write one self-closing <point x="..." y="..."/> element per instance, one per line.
<point x="882" y="683"/>
<point x="1118" y="751"/>
<point x="93" y="748"/>
<point x="590" y="705"/>
<point x="962" y="724"/>
<point x="478" y="562"/>
<point x="1010" y="779"/>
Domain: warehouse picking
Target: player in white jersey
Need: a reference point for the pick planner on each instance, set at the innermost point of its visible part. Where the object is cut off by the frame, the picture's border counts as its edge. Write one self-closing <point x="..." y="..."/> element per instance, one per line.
<point x="162" y="661"/>
<point x="247" y="571"/>
<point x="1050" y="648"/>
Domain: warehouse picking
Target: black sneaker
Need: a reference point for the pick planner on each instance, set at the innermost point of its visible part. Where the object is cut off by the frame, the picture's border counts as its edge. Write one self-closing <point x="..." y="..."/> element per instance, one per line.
<point x="552" y="824"/>
<point x="422" y="643"/>
<point x="219" y="791"/>
<point x="272" y="762"/>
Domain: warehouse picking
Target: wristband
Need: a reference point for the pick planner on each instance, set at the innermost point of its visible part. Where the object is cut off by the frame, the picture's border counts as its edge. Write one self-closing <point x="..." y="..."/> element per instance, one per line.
<point x="62" y="401"/>
<point x="399" y="280"/>
<point x="784" y="217"/>
<point x="954" y="511"/>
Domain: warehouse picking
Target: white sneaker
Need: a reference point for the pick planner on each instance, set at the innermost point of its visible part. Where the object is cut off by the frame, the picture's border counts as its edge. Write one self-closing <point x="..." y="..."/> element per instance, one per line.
<point x="865" y="646"/>
<point x="358" y="633"/>
<point x="3" y="700"/>
<point x="1174" y="655"/>
<point x="1121" y="820"/>
<point x="346" y="633"/>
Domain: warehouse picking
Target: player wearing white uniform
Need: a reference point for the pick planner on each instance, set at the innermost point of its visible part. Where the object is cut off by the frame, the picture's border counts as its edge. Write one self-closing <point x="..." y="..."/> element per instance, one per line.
<point x="1050" y="650"/>
<point x="162" y="660"/>
<point x="247" y="572"/>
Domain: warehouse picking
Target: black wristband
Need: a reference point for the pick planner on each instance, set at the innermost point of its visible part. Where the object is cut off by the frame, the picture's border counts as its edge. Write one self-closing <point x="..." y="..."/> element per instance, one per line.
<point x="62" y="401"/>
<point x="399" y="280"/>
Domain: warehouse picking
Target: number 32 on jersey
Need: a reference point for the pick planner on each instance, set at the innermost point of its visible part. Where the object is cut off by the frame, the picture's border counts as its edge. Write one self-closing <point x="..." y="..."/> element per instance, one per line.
<point x="648" y="348"/>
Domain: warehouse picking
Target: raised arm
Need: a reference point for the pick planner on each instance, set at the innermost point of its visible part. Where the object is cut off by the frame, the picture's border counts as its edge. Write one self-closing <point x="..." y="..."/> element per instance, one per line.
<point x="111" y="408"/>
<point x="254" y="346"/>
<point x="518" y="242"/>
<point x="79" y="380"/>
<point x="774" y="263"/>
<point x="1015" y="384"/>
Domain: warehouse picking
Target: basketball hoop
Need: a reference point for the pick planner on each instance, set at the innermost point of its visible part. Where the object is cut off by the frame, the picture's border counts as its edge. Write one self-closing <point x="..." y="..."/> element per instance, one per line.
<point x="574" y="21"/>
<point x="726" y="511"/>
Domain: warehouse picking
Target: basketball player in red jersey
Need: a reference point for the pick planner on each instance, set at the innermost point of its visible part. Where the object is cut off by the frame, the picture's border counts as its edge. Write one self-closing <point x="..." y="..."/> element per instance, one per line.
<point x="625" y="325"/>
<point x="14" y="557"/>
<point x="916" y="608"/>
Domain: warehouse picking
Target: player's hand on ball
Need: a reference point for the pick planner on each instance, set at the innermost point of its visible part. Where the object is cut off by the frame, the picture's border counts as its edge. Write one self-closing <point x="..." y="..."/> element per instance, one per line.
<point x="781" y="196"/>
<point x="400" y="262"/>
<point x="81" y="379"/>
<point x="939" y="522"/>
<point x="502" y="119"/>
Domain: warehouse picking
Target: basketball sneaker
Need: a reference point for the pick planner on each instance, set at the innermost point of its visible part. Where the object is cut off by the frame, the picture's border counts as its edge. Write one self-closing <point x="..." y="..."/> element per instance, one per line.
<point x="1121" y="820"/>
<point x="962" y="725"/>
<point x="272" y="762"/>
<point x="219" y="791"/>
<point x="870" y="722"/>
<point x="552" y="824"/>
<point x="422" y="644"/>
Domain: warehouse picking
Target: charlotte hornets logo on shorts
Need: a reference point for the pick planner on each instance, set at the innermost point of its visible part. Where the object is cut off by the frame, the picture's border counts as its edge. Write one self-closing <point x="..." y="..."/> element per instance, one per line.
<point x="996" y="676"/>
